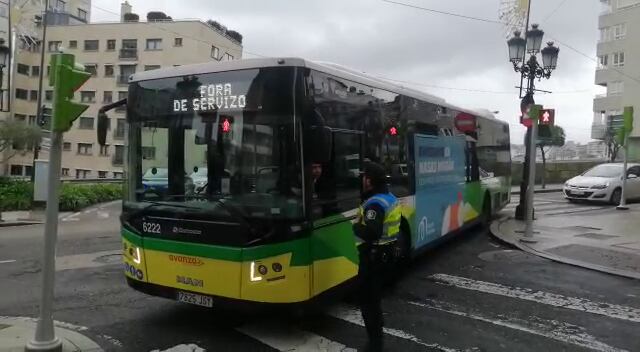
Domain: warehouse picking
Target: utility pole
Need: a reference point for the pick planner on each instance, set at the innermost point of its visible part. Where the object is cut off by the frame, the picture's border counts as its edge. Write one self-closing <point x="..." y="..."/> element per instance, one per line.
<point x="43" y="42"/>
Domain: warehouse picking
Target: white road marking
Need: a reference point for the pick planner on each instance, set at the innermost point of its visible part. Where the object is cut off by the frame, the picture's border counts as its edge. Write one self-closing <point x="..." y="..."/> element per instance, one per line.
<point x="284" y="338"/>
<point x="579" y="304"/>
<point x="7" y="261"/>
<point x="183" y="348"/>
<point x="353" y="316"/>
<point x="103" y="214"/>
<point x="553" y="329"/>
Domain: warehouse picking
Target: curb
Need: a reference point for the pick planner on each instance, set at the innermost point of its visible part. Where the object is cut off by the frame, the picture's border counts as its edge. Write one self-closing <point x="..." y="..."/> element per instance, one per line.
<point x="547" y="190"/>
<point x="17" y="331"/>
<point x="19" y="223"/>
<point x="496" y="233"/>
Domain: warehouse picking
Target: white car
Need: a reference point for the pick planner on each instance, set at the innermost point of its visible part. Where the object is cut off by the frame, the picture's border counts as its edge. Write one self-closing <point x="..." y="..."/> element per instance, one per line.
<point x="603" y="183"/>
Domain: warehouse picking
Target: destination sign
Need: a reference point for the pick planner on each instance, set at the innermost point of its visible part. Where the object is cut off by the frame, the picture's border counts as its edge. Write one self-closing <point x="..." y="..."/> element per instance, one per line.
<point x="212" y="97"/>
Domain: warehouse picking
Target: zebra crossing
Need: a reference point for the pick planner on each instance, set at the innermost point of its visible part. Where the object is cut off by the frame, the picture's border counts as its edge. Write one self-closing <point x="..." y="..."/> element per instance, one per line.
<point x="421" y="335"/>
<point x="552" y="207"/>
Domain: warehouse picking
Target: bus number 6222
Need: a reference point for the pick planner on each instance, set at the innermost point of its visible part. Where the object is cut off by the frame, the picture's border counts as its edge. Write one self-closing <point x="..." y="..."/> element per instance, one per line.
<point x="150" y="227"/>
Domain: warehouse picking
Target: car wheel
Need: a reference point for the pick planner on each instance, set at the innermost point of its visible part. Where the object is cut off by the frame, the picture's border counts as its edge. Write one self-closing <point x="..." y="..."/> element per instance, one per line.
<point x="616" y="196"/>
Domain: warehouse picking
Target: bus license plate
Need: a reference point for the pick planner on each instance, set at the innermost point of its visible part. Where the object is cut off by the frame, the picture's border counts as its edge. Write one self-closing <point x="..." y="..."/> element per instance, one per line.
<point x="192" y="298"/>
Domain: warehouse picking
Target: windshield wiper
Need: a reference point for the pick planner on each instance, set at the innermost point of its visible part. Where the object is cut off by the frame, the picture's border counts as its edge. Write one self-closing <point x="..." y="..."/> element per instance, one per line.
<point x="156" y="204"/>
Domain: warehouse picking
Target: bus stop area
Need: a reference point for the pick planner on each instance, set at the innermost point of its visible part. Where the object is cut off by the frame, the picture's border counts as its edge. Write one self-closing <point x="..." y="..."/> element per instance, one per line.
<point x="606" y="240"/>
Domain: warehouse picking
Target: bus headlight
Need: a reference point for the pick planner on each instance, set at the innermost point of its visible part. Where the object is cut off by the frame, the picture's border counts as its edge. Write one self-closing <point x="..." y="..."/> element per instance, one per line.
<point x="253" y="276"/>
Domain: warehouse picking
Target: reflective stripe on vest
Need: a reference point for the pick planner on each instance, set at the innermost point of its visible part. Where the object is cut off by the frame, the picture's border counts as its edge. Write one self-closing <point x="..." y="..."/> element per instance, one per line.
<point x="392" y="215"/>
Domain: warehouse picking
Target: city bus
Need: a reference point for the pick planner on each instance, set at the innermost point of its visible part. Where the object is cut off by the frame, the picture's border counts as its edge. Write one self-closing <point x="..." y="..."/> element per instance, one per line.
<point x="282" y="141"/>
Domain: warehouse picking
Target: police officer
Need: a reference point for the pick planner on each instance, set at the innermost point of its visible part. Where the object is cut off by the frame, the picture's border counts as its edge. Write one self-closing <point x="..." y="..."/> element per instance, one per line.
<point x="378" y="223"/>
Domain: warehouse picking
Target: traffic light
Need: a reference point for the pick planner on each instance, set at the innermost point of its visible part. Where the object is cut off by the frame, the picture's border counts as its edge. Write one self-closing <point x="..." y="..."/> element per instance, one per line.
<point x="548" y="117"/>
<point x="44" y="120"/>
<point x="66" y="77"/>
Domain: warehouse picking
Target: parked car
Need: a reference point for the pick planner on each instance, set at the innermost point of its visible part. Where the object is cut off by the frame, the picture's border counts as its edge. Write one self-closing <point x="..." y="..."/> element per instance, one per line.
<point x="157" y="178"/>
<point x="603" y="183"/>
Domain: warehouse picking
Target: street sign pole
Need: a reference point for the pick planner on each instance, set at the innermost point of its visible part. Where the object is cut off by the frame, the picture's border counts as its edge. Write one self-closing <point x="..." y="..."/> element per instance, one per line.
<point x="534" y="113"/>
<point x="623" y="197"/>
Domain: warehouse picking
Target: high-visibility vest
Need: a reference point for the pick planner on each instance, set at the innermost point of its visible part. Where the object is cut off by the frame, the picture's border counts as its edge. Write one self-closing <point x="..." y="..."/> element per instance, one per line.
<point x="392" y="215"/>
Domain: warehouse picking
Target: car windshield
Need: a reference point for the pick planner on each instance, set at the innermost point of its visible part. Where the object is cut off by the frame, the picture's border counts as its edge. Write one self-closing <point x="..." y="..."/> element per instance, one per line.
<point x="220" y="136"/>
<point x="604" y="171"/>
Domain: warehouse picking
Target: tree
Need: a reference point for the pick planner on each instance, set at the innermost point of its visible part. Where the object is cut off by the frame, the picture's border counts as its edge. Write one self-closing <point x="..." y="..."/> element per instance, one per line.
<point x="554" y="136"/>
<point x="131" y="17"/>
<point x="157" y="16"/>
<point x="216" y="25"/>
<point x="16" y="135"/>
<point x="235" y="35"/>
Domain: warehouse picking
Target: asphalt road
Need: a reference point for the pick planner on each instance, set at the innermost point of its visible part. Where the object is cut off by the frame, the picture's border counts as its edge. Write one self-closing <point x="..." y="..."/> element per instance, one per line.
<point x="471" y="294"/>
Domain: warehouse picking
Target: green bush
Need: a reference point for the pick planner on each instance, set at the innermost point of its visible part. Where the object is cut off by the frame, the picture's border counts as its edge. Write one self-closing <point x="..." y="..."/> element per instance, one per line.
<point x="74" y="197"/>
<point x="18" y="195"/>
<point x="15" y="195"/>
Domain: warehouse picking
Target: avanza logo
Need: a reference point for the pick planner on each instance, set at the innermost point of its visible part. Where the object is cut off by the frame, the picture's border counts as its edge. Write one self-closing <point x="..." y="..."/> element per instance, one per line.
<point x="183" y="259"/>
<point x="185" y="280"/>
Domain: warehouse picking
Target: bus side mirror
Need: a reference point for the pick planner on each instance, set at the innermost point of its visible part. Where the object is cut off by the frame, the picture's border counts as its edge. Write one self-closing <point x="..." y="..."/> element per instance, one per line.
<point x="320" y="142"/>
<point x="103" y="125"/>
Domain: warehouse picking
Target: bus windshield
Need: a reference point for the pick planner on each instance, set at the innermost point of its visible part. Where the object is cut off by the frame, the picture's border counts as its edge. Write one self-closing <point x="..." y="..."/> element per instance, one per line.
<point x="214" y="138"/>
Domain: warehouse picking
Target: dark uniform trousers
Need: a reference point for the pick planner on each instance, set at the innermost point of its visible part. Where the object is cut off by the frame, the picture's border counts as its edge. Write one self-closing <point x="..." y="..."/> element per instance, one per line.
<point x="370" y="294"/>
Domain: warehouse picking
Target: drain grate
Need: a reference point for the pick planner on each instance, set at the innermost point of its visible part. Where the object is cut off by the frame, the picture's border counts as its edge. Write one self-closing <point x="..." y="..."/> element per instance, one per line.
<point x="596" y="236"/>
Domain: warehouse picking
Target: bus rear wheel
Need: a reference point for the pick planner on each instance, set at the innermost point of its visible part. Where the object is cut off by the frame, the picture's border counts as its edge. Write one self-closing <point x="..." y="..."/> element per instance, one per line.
<point x="487" y="212"/>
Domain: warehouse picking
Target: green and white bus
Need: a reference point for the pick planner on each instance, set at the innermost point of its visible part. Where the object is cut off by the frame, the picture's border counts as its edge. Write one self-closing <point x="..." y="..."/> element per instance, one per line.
<point x="276" y="145"/>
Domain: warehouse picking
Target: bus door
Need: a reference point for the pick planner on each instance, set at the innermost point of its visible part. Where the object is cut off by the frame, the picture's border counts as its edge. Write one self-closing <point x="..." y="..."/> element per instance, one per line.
<point x="336" y="197"/>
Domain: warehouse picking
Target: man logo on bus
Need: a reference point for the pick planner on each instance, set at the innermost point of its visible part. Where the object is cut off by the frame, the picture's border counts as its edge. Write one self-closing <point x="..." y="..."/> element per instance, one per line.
<point x="133" y="271"/>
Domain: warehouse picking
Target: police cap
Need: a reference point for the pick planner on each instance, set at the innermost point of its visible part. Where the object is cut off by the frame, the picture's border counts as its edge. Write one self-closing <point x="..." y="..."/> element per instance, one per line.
<point x="376" y="173"/>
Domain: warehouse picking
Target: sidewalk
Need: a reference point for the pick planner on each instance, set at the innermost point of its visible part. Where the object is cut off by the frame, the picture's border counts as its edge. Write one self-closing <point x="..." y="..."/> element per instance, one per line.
<point x="16" y="332"/>
<point x="19" y="218"/>
<point x="605" y="240"/>
<point x="515" y="190"/>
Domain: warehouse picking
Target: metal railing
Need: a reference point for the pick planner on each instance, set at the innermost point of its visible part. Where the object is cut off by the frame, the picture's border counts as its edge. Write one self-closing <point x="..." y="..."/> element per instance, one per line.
<point x="128" y="53"/>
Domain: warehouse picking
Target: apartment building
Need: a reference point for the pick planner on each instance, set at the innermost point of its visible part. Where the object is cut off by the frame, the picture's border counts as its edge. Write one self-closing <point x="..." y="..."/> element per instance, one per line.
<point x="111" y="52"/>
<point x="618" y="66"/>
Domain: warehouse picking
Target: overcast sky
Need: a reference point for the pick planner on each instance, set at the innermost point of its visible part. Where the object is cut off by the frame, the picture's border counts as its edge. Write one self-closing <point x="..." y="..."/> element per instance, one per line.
<point x="424" y="48"/>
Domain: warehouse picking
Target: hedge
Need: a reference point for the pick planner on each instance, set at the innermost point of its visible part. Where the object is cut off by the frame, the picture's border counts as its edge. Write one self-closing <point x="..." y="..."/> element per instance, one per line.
<point x="18" y="195"/>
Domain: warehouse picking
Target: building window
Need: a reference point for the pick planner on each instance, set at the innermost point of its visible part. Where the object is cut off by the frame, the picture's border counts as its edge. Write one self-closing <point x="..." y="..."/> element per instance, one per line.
<point x="22" y="94"/>
<point x="104" y="150"/>
<point x="73" y="44"/>
<point x="151" y="67"/>
<point x="65" y="172"/>
<point x="215" y="52"/>
<point x="16" y="170"/>
<point x="23" y="69"/>
<point x="154" y="44"/>
<point x="615" y="88"/>
<point x="60" y="5"/>
<point x="619" y="31"/>
<point x="129" y="43"/>
<point x="32" y="119"/>
<point x="66" y="146"/>
<point x="111" y="44"/>
<point x="618" y="59"/>
<point x="80" y="173"/>
<point x="603" y="61"/>
<point x="85" y="148"/>
<point x="35" y="70"/>
<point x="107" y="97"/>
<point x="125" y="72"/>
<point x="91" y="45"/>
<point x="117" y="174"/>
<point x="86" y="123"/>
<point x="148" y="153"/>
<point x="48" y="95"/>
<point x="177" y="42"/>
<point x="33" y="95"/>
<point x="228" y="57"/>
<point x="605" y="34"/>
<point x="102" y="174"/>
<point x="122" y="95"/>
<point x="87" y="96"/>
<point x="54" y="46"/>
<point x="92" y="69"/>
<point x="82" y="14"/>
<point x="108" y="70"/>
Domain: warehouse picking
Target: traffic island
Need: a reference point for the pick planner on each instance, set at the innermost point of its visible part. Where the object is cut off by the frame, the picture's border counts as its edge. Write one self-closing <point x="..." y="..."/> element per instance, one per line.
<point x="606" y="241"/>
<point x="15" y="332"/>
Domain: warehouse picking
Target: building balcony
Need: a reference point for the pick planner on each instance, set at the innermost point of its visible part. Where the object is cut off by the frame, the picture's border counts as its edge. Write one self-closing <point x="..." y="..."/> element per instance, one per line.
<point x="128" y="54"/>
<point x="607" y="102"/>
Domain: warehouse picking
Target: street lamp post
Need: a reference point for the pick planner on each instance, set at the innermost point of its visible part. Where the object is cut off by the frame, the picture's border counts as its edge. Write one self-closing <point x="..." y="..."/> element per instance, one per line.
<point x="530" y="69"/>
<point x="4" y="54"/>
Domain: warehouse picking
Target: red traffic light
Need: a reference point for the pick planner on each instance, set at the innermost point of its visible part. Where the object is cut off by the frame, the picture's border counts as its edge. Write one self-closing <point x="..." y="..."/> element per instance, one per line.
<point x="548" y="117"/>
<point x="393" y="131"/>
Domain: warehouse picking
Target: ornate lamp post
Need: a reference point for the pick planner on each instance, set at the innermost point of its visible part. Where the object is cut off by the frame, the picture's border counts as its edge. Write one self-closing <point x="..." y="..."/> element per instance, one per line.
<point x="530" y="70"/>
